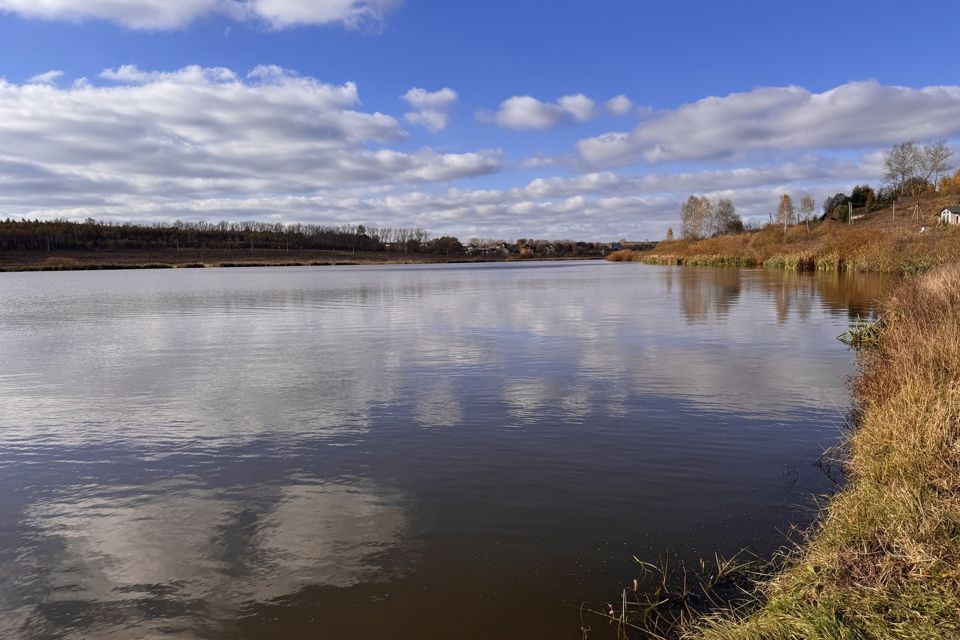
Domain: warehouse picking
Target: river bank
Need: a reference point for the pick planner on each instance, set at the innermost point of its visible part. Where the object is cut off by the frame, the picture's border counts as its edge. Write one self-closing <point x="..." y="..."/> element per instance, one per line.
<point x="195" y="258"/>
<point x="884" y="561"/>
<point x="884" y="241"/>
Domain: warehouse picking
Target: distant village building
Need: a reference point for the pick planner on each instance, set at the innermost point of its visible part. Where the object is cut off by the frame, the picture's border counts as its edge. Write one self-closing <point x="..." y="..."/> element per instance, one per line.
<point x="485" y="248"/>
<point x="950" y="215"/>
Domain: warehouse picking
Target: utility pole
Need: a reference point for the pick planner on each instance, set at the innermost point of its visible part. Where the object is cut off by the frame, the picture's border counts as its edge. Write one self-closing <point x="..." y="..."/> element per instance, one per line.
<point x="849" y="213"/>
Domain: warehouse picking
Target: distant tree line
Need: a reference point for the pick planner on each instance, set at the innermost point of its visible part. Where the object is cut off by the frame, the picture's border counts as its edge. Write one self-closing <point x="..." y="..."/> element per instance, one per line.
<point x="863" y="198"/>
<point x="563" y="248"/>
<point x="91" y="235"/>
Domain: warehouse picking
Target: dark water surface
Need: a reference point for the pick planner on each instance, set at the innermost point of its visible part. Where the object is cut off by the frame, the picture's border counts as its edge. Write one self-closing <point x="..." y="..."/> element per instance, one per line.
<point x="398" y="452"/>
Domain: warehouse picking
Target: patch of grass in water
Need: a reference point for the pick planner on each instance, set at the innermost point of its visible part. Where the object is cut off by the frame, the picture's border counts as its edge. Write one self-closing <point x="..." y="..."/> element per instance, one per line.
<point x="861" y="335"/>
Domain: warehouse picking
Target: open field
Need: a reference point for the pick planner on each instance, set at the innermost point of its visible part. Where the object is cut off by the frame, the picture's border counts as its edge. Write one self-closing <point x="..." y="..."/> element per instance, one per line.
<point x="881" y="241"/>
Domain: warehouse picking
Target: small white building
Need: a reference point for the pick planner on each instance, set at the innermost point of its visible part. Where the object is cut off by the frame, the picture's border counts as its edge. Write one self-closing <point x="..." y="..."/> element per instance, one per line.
<point x="950" y="215"/>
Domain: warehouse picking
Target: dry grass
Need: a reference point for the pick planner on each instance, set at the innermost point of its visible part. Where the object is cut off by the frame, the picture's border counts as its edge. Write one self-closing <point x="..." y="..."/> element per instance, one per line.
<point x="885" y="560"/>
<point x="878" y="242"/>
<point x="59" y="262"/>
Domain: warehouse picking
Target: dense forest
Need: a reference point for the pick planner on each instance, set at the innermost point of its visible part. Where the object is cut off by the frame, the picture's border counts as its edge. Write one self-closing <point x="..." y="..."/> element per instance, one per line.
<point x="91" y="235"/>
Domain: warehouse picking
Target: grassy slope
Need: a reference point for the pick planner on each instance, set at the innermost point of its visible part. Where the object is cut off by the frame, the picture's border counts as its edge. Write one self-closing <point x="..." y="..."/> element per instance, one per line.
<point x="885" y="560"/>
<point x="878" y="242"/>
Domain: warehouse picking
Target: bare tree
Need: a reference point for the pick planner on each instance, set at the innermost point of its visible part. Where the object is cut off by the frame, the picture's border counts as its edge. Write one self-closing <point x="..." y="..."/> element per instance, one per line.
<point x="725" y="218"/>
<point x="807" y="207"/>
<point x="696" y="218"/>
<point x="689" y="225"/>
<point x="936" y="161"/>
<point x="902" y="162"/>
<point x="785" y="211"/>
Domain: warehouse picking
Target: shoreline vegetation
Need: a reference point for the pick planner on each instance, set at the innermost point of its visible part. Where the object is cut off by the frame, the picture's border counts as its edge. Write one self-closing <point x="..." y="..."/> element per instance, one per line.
<point x="884" y="560"/>
<point x="905" y="238"/>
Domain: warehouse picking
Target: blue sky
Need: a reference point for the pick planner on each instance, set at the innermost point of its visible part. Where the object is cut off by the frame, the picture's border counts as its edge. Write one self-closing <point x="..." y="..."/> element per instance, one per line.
<point x="730" y="99"/>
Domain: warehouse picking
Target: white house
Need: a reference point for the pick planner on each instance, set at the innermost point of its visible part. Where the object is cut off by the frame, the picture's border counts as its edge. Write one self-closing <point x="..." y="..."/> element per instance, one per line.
<point x="950" y="215"/>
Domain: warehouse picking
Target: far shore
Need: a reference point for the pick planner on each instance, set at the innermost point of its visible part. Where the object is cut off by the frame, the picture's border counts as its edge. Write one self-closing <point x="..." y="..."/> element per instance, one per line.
<point x="200" y="258"/>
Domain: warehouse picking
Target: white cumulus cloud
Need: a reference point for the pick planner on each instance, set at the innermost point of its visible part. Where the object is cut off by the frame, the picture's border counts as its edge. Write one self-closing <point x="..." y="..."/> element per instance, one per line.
<point x="149" y="139"/>
<point x="580" y="107"/>
<point x="429" y="108"/>
<point x="430" y="119"/>
<point x="269" y="144"/>
<point x="48" y="77"/>
<point x="419" y="98"/>
<point x="526" y="112"/>
<point x="174" y="14"/>
<point x="593" y="206"/>
<point x="852" y="115"/>
<point x="619" y="105"/>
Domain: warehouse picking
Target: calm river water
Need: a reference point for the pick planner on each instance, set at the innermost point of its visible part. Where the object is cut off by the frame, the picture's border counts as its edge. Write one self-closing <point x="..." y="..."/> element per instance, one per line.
<point x="420" y="452"/>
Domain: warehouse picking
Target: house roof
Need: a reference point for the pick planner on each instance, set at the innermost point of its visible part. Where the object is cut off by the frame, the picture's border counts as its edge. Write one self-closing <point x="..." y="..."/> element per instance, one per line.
<point x="952" y="209"/>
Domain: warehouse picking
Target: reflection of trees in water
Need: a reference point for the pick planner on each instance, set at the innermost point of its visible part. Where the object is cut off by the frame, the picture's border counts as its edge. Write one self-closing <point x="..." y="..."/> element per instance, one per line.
<point x="790" y="291"/>
<point x="703" y="291"/>
<point x="712" y="292"/>
<point x="853" y="294"/>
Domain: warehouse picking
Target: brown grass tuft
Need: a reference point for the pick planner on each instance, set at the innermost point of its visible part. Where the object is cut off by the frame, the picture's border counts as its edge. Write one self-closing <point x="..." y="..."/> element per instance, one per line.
<point x="58" y="262"/>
